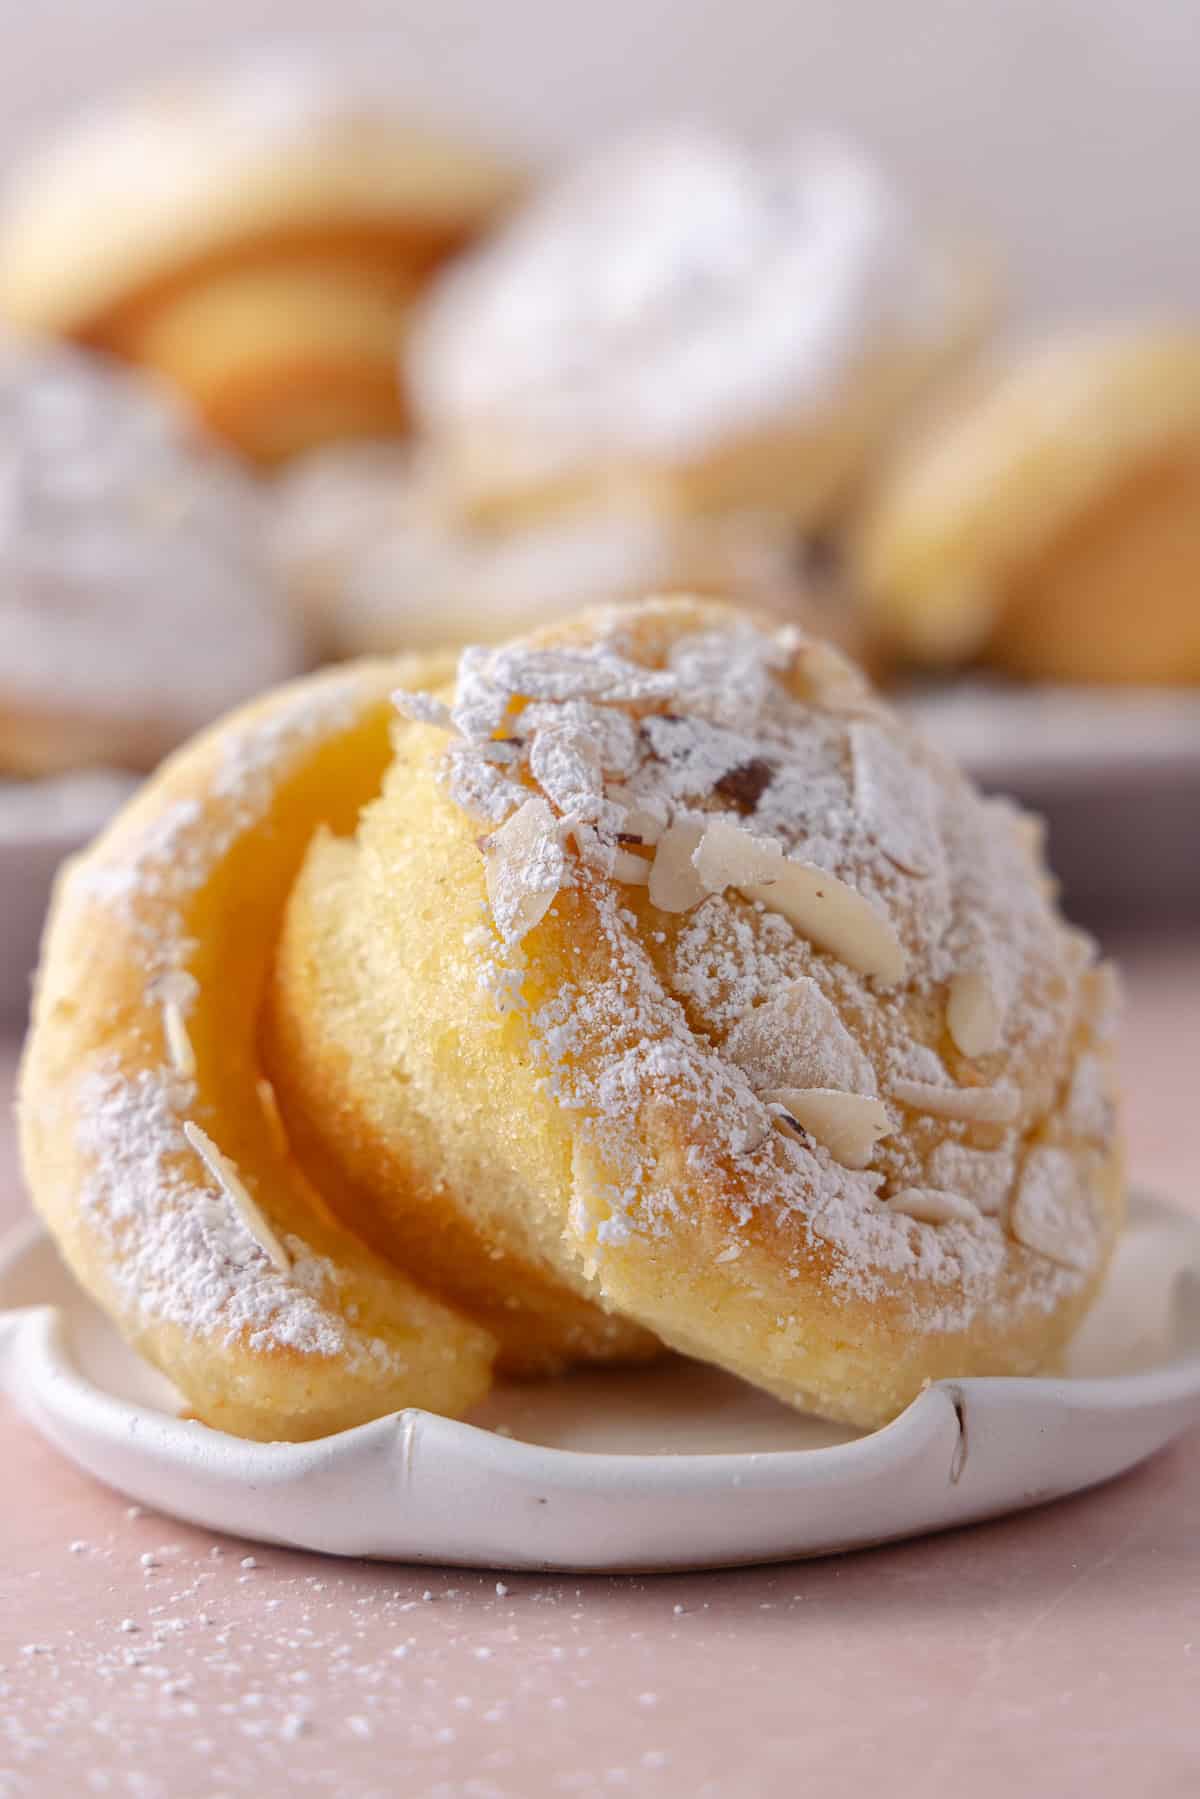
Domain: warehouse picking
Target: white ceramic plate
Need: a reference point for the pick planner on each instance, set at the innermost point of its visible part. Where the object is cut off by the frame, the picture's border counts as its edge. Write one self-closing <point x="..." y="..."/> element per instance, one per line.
<point x="1115" y="771"/>
<point x="669" y="1468"/>
<point x="41" y="823"/>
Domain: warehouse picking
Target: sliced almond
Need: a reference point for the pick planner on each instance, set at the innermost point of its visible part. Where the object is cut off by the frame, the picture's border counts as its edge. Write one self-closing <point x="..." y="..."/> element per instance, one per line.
<point x="505" y="752"/>
<point x="984" y="1176"/>
<point x="974" y="1105"/>
<point x="836" y="918"/>
<point x="796" y="1039"/>
<point x="674" y="884"/>
<point x="892" y="798"/>
<point x="848" y="1124"/>
<point x="1090" y="1111"/>
<point x="633" y="870"/>
<point x="1051" y="1213"/>
<point x="749" y="1136"/>
<point x="179" y="1044"/>
<point x="423" y="709"/>
<point x="236" y="1191"/>
<point x="565" y="768"/>
<point x="525" y="867"/>
<point x="932" y="1205"/>
<point x="640" y="822"/>
<point x="823" y="908"/>
<point x="593" y="849"/>
<point x="974" y="1015"/>
<point x="730" y="856"/>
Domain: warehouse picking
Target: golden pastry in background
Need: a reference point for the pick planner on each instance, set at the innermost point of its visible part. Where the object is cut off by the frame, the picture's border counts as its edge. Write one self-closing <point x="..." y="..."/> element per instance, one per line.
<point x="1050" y="526"/>
<point x="732" y="997"/>
<point x="735" y="330"/>
<point x="256" y="236"/>
<point x="379" y="557"/>
<point x="136" y="600"/>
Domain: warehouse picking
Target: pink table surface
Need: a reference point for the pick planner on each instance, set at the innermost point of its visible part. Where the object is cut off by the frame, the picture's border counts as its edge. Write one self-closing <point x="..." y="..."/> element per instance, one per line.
<point x="1053" y="1653"/>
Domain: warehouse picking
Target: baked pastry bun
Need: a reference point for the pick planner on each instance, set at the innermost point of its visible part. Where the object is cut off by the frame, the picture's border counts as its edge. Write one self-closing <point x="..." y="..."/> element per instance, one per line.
<point x="136" y="601"/>
<point x="151" y="1137"/>
<point x="738" y="329"/>
<point x="736" y="998"/>
<point x="1051" y="526"/>
<point x="370" y="541"/>
<point x="258" y="236"/>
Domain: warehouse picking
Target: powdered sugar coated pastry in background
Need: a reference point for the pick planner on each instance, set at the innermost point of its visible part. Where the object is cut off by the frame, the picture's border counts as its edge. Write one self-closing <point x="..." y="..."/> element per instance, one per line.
<point x="255" y="233"/>
<point x="379" y="556"/>
<point x="750" y="1008"/>
<point x="135" y="600"/>
<point x="742" y="325"/>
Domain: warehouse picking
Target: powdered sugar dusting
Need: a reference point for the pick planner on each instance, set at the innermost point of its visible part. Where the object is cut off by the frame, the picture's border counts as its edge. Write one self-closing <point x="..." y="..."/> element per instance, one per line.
<point x="707" y="1010"/>
<point x="675" y="290"/>
<point x="183" y="1248"/>
<point x="134" y="578"/>
<point x="174" y="852"/>
<point x="180" y="1251"/>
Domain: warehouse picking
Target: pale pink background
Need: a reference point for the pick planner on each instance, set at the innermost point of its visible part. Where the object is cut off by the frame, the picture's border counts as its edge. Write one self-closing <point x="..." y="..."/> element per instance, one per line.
<point x="1056" y="1653"/>
<point x="1066" y="133"/>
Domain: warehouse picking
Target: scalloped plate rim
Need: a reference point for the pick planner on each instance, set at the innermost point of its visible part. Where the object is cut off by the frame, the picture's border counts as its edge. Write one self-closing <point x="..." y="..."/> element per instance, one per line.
<point x="417" y="1487"/>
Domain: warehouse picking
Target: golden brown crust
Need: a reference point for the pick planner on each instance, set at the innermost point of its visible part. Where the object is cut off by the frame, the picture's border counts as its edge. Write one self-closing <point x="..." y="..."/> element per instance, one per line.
<point x="334" y="1052"/>
<point x="603" y="1102"/>
<point x="145" y="1022"/>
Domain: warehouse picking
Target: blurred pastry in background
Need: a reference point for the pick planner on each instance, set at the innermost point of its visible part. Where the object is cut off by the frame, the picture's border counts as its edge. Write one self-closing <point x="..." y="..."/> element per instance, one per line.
<point x="369" y="540"/>
<point x="135" y="598"/>
<point x="735" y="328"/>
<point x="1050" y="527"/>
<point x="257" y="236"/>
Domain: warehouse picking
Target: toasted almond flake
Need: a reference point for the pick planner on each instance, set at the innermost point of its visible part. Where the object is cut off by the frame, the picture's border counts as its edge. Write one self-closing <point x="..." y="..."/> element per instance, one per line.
<point x="974" y="1105"/>
<point x="524" y="869"/>
<point x="270" y="1109"/>
<point x="595" y="850"/>
<point x="730" y="856"/>
<point x="534" y="674"/>
<point x="1090" y="1111"/>
<point x="640" y="822"/>
<point x="423" y="709"/>
<point x="565" y="767"/>
<point x="674" y="884"/>
<point x="893" y="799"/>
<point x="984" y="1176"/>
<point x="835" y="917"/>
<point x="848" y="1124"/>
<point x="750" y="1135"/>
<point x="235" y="1190"/>
<point x="933" y="1205"/>
<point x="633" y="870"/>
<point x="796" y="1039"/>
<point x="974" y="1015"/>
<point x="179" y="1044"/>
<point x="831" y="914"/>
<point x="502" y="751"/>
<point x="1051" y="1213"/>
